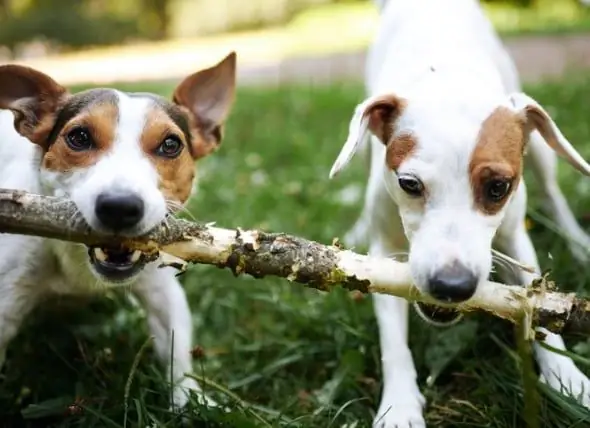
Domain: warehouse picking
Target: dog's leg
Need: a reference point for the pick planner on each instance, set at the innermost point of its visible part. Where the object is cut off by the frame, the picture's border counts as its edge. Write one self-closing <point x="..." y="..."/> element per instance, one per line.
<point x="170" y="323"/>
<point x="401" y="400"/>
<point x="15" y="304"/>
<point x="20" y="288"/>
<point x="544" y="163"/>
<point x="558" y="371"/>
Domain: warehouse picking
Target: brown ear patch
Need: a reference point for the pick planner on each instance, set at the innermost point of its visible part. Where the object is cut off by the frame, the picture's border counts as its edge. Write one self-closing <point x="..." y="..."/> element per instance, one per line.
<point x="498" y="155"/>
<point x="175" y="174"/>
<point x="398" y="150"/>
<point x="100" y="121"/>
<point x="382" y="113"/>
<point x="33" y="97"/>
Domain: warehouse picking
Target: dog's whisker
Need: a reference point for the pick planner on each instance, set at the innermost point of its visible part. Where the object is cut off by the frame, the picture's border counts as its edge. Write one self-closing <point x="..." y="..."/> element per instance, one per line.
<point x="512" y="261"/>
<point x="505" y="268"/>
<point x="176" y="207"/>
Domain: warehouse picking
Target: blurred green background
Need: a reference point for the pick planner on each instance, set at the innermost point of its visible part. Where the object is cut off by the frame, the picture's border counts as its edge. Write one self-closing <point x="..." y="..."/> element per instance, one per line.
<point x="75" y="24"/>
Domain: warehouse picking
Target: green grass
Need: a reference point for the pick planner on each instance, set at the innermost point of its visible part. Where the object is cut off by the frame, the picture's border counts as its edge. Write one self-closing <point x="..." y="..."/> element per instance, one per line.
<point x="298" y="357"/>
<point x="545" y="17"/>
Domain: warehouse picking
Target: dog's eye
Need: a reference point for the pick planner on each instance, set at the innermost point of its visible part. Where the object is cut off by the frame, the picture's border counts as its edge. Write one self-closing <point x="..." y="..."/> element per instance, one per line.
<point x="170" y="147"/>
<point x="496" y="190"/>
<point x="411" y="185"/>
<point x="79" y="139"/>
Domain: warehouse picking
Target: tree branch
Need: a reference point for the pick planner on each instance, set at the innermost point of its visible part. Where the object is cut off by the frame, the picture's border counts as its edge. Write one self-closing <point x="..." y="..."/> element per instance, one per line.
<point x="315" y="265"/>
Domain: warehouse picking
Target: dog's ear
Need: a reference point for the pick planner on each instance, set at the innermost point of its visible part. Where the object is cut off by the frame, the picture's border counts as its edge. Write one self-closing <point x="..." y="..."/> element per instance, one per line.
<point x="208" y="95"/>
<point x="536" y="118"/>
<point x="33" y="97"/>
<point x="377" y="114"/>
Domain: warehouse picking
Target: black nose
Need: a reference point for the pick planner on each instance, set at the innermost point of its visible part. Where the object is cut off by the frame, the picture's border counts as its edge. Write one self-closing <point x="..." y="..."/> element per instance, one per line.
<point x="454" y="283"/>
<point x="119" y="211"/>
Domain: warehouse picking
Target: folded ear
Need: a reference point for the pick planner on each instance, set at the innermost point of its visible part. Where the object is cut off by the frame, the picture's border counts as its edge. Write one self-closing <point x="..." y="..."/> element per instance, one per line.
<point x="33" y="97"/>
<point x="377" y="115"/>
<point x="208" y="95"/>
<point x="537" y="118"/>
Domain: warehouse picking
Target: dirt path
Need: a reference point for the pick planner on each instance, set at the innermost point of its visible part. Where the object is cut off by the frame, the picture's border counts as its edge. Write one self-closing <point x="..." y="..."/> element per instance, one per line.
<point x="537" y="58"/>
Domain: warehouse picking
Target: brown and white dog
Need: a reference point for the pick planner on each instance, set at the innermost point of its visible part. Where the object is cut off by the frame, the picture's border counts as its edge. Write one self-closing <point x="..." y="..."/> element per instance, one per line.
<point x="127" y="160"/>
<point x="449" y="127"/>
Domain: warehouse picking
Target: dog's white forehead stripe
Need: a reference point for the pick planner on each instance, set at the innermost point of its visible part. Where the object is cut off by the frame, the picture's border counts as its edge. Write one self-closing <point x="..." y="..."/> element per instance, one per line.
<point x="133" y="112"/>
<point x="127" y="163"/>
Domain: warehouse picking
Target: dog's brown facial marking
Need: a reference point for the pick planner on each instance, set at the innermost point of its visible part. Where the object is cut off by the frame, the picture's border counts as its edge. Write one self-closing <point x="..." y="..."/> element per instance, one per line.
<point x="496" y="163"/>
<point x="399" y="149"/>
<point x="83" y="131"/>
<point x="168" y="146"/>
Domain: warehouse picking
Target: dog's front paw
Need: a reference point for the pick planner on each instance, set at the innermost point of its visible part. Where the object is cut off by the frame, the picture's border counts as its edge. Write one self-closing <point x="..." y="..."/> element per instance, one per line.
<point x="569" y="380"/>
<point x="396" y="413"/>
<point x="182" y="391"/>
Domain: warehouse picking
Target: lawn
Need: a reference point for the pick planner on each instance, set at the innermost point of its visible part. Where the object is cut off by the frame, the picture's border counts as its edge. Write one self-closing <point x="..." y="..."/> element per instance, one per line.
<point x="276" y="353"/>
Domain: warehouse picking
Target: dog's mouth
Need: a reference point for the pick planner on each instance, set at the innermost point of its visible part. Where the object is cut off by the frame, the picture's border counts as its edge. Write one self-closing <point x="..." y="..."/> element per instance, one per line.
<point x="116" y="264"/>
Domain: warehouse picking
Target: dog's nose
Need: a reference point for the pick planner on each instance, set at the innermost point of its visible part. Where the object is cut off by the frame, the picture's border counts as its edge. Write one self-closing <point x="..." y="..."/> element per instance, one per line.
<point x="454" y="283"/>
<point x="119" y="211"/>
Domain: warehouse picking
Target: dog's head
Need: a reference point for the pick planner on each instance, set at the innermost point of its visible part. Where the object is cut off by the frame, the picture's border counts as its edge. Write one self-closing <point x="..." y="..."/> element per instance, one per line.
<point x="452" y="170"/>
<point x="125" y="159"/>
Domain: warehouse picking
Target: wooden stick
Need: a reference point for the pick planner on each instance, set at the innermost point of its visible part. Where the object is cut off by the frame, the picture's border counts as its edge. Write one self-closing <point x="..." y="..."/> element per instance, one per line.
<point x="299" y="260"/>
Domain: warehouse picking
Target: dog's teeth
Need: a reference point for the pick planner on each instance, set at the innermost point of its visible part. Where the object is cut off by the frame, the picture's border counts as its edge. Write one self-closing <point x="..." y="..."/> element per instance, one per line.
<point x="100" y="255"/>
<point x="135" y="256"/>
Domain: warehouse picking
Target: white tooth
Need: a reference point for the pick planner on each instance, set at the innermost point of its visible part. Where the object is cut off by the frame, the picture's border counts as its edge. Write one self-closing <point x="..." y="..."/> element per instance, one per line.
<point x="100" y="255"/>
<point x="135" y="256"/>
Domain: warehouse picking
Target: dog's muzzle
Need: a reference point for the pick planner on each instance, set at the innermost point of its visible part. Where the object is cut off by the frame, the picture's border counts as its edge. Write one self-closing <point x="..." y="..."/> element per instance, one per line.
<point x="116" y="264"/>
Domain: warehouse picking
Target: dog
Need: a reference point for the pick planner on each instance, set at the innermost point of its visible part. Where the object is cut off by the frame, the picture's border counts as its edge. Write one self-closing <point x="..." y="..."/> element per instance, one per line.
<point x="127" y="161"/>
<point x="447" y="126"/>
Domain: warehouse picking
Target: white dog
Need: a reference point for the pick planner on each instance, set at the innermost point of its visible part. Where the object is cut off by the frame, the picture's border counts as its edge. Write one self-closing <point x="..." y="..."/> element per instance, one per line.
<point x="127" y="162"/>
<point x="448" y="128"/>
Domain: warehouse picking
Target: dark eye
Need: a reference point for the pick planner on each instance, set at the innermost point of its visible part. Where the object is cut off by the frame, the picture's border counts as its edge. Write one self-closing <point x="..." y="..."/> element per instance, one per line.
<point x="170" y="147"/>
<point x="497" y="189"/>
<point x="411" y="185"/>
<point x="79" y="139"/>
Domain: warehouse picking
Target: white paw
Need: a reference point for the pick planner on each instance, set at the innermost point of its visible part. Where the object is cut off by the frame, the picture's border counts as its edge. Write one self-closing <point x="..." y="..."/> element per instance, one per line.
<point x="569" y="380"/>
<point x="400" y="413"/>
<point x="181" y="394"/>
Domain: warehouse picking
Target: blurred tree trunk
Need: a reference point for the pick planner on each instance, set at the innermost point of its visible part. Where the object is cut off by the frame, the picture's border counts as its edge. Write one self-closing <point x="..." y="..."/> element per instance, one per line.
<point x="5" y="9"/>
<point x="160" y="11"/>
